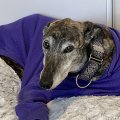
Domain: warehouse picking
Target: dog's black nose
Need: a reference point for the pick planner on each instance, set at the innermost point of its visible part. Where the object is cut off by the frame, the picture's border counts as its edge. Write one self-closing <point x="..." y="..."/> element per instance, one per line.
<point x="46" y="84"/>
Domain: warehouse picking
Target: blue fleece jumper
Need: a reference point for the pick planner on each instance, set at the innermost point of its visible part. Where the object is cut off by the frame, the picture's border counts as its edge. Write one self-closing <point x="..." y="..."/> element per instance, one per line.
<point x="22" y="42"/>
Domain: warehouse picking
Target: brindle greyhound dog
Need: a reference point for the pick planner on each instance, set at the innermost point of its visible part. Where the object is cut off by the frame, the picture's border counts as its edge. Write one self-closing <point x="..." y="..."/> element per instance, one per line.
<point x="66" y="46"/>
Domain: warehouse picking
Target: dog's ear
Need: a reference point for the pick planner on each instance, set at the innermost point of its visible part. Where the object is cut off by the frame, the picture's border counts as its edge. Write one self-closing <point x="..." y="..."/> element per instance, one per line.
<point x="91" y="31"/>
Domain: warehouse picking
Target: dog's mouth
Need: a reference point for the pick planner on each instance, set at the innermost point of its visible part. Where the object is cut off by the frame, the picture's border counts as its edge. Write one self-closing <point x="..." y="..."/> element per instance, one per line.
<point x="49" y="84"/>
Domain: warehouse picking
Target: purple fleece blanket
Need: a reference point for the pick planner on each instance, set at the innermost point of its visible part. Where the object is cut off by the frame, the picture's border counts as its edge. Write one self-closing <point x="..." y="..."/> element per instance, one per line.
<point x="22" y="42"/>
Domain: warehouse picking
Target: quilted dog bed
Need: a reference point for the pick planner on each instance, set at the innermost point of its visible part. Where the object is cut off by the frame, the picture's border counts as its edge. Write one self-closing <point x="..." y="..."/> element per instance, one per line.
<point x="74" y="108"/>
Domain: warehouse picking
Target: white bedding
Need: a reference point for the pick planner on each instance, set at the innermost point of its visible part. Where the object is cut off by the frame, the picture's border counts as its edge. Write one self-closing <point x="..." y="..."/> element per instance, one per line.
<point x="75" y="108"/>
<point x="85" y="108"/>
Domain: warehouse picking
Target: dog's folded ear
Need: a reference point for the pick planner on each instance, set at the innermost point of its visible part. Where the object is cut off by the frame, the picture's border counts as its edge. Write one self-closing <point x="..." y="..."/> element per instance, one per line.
<point x="92" y="31"/>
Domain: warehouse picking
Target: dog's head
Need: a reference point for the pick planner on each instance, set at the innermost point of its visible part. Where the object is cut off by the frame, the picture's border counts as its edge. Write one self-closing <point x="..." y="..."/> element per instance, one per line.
<point x="65" y="49"/>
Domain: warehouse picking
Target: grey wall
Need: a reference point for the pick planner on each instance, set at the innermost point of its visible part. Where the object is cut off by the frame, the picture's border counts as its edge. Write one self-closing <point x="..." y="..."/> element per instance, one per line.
<point x="116" y="13"/>
<point x="93" y="10"/>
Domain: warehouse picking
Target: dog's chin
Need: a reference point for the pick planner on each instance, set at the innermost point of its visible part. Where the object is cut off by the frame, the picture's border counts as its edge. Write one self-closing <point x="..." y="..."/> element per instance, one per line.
<point x="79" y="66"/>
<point x="77" y="69"/>
<point x="53" y="87"/>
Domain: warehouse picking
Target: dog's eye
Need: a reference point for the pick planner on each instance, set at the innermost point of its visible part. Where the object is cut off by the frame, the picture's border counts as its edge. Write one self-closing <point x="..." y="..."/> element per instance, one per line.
<point x="46" y="45"/>
<point x="68" y="49"/>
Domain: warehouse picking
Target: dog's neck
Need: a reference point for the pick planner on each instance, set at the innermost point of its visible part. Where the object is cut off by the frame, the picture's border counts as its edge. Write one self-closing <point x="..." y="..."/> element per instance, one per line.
<point x="94" y="60"/>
